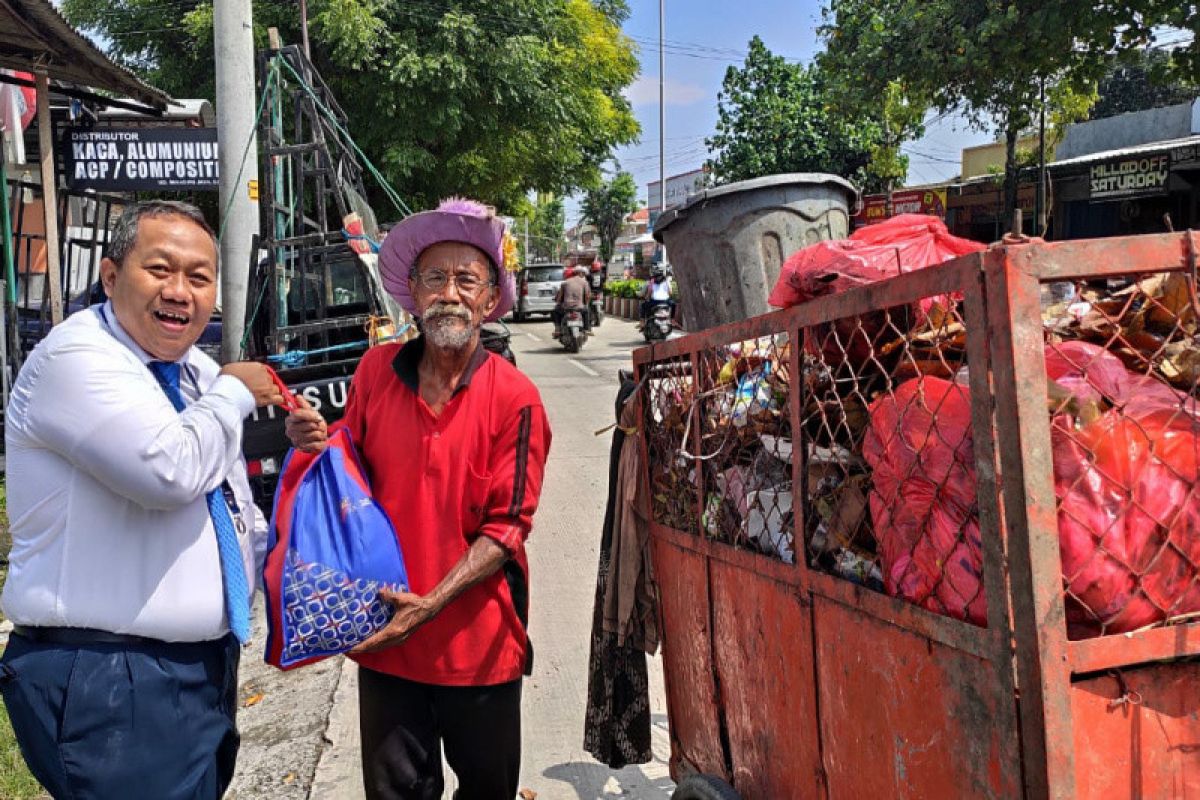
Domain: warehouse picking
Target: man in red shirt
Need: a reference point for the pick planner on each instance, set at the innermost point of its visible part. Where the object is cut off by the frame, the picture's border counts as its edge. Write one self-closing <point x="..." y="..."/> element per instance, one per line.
<point x="454" y="440"/>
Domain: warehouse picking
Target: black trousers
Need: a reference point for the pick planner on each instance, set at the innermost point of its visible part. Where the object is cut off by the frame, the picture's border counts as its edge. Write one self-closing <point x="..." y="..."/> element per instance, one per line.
<point x="404" y="726"/>
<point x="102" y="721"/>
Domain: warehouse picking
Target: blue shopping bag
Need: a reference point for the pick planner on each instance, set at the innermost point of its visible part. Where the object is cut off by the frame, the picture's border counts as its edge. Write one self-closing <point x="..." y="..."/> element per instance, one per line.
<point x="331" y="549"/>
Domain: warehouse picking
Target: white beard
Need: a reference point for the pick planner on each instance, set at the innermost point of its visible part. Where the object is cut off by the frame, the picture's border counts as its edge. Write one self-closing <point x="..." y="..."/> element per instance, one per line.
<point x="448" y="332"/>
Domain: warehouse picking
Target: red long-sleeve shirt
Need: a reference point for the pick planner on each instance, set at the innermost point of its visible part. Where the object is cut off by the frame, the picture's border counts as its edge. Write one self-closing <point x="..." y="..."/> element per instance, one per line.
<point x="474" y="470"/>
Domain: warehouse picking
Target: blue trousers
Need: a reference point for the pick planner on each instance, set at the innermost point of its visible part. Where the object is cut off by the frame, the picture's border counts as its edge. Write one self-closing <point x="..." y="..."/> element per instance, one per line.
<point x="101" y="721"/>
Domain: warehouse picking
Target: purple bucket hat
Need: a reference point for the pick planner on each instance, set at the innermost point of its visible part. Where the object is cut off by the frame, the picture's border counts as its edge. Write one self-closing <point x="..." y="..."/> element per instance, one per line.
<point x="455" y="220"/>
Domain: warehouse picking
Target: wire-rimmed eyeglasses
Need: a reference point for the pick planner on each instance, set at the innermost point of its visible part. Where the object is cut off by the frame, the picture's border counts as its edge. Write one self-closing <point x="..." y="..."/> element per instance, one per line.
<point x="465" y="282"/>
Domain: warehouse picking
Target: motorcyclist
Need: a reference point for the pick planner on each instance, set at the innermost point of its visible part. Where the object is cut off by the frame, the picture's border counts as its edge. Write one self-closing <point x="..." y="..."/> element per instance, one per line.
<point x="574" y="294"/>
<point x="598" y="277"/>
<point x="657" y="290"/>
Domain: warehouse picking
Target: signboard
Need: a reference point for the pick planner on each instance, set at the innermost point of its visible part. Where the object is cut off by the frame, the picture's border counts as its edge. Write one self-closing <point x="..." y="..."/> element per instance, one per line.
<point x="678" y="189"/>
<point x="1133" y="176"/>
<point x="908" y="201"/>
<point x="140" y="159"/>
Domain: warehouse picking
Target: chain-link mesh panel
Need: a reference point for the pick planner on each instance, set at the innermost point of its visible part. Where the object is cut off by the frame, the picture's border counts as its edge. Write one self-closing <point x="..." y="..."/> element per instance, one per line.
<point x="746" y="445"/>
<point x="669" y="403"/>
<point x="1123" y="366"/>
<point x="888" y="481"/>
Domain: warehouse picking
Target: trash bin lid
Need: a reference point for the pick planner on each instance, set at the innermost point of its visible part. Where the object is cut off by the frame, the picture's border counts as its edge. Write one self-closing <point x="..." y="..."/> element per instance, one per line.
<point x="765" y="182"/>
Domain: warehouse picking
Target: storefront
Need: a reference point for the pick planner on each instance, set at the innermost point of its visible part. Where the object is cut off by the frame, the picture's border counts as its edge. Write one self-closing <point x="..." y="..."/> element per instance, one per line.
<point x="975" y="209"/>
<point x="1131" y="191"/>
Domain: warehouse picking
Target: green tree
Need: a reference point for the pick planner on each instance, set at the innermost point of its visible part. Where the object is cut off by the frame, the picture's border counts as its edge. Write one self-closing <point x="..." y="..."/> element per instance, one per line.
<point x="1133" y="84"/>
<point x="775" y="116"/>
<point x="547" y="220"/>
<point x="489" y="98"/>
<point x="606" y="207"/>
<point x="992" y="58"/>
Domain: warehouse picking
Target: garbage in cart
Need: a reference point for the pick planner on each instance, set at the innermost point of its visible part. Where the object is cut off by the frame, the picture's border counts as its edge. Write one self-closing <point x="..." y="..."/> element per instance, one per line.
<point x="887" y="468"/>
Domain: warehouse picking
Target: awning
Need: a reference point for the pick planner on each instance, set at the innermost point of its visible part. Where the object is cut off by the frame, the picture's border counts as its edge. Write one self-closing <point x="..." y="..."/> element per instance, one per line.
<point x="35" y="38"/>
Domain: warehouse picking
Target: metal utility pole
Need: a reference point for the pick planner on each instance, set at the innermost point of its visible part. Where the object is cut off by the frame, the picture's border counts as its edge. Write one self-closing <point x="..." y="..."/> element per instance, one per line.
<point x="234" y="50"/>
<point x="1040" y="213"/>
<point x="304" y="28"/>
<point x="662" y="118"/>
<point x="528" y="257"/>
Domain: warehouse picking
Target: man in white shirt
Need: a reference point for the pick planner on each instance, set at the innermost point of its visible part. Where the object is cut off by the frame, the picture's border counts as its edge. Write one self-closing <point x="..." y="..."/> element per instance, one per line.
<point x="135" y="538"/>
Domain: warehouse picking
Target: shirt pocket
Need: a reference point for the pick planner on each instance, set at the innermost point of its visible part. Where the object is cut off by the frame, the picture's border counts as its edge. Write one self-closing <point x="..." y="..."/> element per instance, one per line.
<point x="475" y="500"/>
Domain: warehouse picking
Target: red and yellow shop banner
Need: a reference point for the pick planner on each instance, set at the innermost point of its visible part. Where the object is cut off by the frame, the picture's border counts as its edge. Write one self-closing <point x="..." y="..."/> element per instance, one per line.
<point x="906" y="201"/>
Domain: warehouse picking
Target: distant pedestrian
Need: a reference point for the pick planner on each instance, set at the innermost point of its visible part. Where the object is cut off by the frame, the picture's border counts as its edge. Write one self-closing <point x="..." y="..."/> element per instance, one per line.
<point x="135" y="538"/>
<point x="455" y="441"/>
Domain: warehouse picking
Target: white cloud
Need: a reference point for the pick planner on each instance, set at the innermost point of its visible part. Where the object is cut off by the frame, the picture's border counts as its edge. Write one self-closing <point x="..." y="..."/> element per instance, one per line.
<point x="644" y="92"/>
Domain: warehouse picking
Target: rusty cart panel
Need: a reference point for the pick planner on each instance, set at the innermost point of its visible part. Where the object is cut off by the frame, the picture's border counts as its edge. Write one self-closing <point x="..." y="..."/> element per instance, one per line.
<point x="859" y="506"/>
<point x="691" y="690"/>
<point x="930" y="707"/>
<point x="760" y="626"/>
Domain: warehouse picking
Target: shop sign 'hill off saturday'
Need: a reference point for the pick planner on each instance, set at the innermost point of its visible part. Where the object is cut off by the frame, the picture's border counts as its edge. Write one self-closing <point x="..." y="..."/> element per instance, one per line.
<point x="1130" y="176"/>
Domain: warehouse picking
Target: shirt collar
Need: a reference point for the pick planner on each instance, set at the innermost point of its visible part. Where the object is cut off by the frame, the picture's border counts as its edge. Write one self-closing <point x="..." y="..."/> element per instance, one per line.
<point x="408" y="360"/>
<point x="108" y="318"/>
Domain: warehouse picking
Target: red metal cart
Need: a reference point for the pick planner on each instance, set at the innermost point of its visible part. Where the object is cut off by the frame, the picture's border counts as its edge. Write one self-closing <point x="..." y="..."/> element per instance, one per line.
<point x="805" y="679"/>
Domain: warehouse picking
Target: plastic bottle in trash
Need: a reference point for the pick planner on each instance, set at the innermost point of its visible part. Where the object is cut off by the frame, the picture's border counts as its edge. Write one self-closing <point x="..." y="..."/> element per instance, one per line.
<point x="1057" y="293"/>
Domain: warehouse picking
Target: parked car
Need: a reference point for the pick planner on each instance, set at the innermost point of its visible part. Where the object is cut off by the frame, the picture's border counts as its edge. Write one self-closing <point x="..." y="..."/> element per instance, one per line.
<point x="536" y="287"/>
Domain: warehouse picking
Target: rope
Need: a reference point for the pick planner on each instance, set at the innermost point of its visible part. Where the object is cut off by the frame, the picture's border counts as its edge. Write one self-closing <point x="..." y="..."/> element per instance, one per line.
<point x="245" y="152"/>
<point x="392" y="194"/>
<point x="350" y="237"/>
<point x="295" y="358"/>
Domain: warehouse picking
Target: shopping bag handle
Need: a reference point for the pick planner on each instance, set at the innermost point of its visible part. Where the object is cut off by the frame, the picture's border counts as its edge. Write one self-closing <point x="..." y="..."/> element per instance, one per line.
<point x="290" y="403"/>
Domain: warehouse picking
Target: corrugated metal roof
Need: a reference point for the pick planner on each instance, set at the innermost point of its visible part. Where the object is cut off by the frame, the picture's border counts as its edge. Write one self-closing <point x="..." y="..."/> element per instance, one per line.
<point x="1151" y="147"/>
<point x="35" y="37"/>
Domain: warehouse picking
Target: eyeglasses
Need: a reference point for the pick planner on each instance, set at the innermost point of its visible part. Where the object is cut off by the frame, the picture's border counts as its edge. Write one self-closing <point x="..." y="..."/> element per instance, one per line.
<point x="436" y="281"/>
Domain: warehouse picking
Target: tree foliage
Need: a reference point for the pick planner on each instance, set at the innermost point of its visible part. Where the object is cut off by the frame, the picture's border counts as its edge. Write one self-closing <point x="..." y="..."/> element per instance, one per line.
<point x="1141" y="81"/>
<point x="546" y="219"/>
<point x="991" y="58"/>
<point x="776" y="116"/>
<point x="488" y="98"/>
<point x="606" y="207"/>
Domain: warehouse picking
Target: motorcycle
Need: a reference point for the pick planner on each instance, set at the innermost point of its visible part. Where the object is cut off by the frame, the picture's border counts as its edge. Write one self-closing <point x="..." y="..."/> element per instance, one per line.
<point x="497" y="338"/>
<point x="597" y="310"/>
<point x="657" y="325"/>
<point x="572" y="334"/>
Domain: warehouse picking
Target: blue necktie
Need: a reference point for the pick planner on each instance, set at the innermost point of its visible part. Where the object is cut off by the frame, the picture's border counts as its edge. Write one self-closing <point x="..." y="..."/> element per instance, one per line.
<point x="237" y="593"/>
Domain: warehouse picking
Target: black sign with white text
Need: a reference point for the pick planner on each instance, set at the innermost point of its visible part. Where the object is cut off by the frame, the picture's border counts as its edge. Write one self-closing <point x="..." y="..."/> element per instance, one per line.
<point x="1130" y="177"/>
<point x="141" y="159"/>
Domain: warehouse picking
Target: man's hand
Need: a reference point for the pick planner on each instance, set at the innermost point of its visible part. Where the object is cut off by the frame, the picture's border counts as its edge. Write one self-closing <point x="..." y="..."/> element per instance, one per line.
<point x="306" y="428"/>
<point x="411" y="612"/>
<point x="482" y="559"/>
<point x="257" y="379"/>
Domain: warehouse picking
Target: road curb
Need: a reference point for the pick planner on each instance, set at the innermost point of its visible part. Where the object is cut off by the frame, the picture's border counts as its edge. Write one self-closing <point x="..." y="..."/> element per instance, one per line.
<point x="339" y="769"/>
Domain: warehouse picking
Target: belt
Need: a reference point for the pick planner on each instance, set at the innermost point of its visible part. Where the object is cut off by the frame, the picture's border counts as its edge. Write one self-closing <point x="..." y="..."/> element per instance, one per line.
<point x="79" y="636"/>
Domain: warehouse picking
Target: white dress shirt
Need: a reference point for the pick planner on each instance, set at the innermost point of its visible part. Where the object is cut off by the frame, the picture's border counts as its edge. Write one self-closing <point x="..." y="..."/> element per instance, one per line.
<point x="107" y="485"/>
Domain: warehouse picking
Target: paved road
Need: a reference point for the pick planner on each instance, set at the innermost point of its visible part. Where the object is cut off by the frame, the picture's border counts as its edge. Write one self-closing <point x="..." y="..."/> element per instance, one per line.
<point x="301" y="737"/>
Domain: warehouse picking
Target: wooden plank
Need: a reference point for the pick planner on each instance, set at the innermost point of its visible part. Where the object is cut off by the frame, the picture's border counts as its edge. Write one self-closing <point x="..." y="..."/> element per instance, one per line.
<point x="49" y="197"/>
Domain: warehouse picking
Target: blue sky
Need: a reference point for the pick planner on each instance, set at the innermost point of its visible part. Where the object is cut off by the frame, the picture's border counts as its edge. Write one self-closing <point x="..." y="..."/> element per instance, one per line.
<point x="704" y="38"/>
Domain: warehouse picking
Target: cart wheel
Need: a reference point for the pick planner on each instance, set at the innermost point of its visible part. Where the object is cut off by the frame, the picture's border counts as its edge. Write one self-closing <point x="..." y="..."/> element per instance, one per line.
<point x="704" y="787"/>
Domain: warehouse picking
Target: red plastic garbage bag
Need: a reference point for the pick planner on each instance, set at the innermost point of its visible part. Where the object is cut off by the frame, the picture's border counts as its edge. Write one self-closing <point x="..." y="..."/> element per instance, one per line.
<point x="1129" y="510"/>
<point x="1129" y="517"/>
<point x="923" y="505"/>
<point x="902" y="244"/>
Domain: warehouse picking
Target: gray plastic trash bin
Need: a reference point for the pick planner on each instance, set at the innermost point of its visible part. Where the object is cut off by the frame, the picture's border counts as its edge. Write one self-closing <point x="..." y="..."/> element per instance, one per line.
<point x="726" y="244"/>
